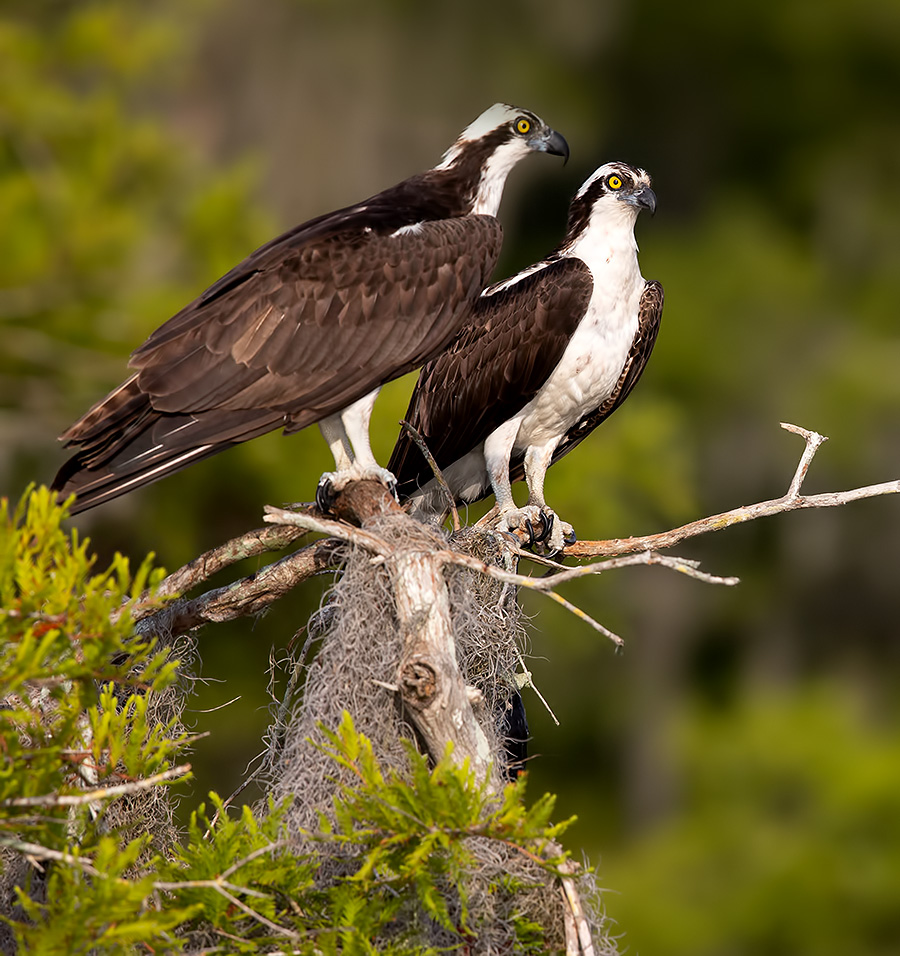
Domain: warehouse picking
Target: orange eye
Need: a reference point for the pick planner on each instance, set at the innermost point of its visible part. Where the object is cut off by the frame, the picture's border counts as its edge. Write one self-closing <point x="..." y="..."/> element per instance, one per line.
<point x="523" y="125"/>
<point x="614" y="182"/>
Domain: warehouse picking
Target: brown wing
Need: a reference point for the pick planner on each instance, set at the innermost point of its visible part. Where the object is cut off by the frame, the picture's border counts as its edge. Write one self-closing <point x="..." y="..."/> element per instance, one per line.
<point x="323" y="325"/>
<point x="301" y="329"/>
<point x="649" y="319"/>
<point x="516" y="338"/>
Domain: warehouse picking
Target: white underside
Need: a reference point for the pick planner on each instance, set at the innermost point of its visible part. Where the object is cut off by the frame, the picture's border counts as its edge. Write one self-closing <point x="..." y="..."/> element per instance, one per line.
<point x="585" y="377"/>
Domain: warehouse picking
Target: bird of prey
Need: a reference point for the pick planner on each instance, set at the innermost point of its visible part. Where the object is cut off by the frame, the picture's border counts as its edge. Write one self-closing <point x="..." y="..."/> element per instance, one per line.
<point x="546" y="357"/>
<point x="310" y="325"/>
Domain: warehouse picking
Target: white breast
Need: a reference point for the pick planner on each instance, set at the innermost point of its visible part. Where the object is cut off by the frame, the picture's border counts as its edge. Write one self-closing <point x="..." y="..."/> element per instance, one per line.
<point x="596" y="354"/>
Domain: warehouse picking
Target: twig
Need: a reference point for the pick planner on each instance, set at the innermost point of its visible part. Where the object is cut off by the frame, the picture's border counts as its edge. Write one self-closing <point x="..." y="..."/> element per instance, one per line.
<point x="813" y="440"/>
<point x="791" y="501"/>
<point x="39" y="852"/>
<point x="244" y="597"/>
<point x="546" y="584"/>
<point x="584" y="616"/>
<point x="258" y="852"/>
<point x="415" y="435"/>
<point x="524" y="679"/>
<point x="227" y="890"/>
<point x="101" y="793"/>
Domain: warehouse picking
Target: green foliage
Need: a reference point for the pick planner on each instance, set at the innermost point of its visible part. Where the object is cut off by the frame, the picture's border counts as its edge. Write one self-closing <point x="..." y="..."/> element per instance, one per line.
<point x="94" y="907"/>
<point x="75" y="686"/>
<point x="398" y="856"/>
<point x="414" y="835"/>
<point x="224" y="859"/>
<point x="111" y="221"/>
<point x="67" y="659"/>
<point x="78" y="691"/>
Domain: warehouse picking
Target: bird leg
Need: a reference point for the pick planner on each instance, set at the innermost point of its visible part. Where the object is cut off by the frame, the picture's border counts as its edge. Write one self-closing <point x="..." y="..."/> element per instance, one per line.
<point x="558" y="533"/>
<point x="347" y="434"/>
<point x="535" y="524"/>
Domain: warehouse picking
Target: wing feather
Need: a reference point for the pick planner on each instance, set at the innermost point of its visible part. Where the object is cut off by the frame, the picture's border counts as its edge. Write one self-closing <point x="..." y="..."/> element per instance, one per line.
<point x="304" y="327"/>
<point x="345" y="322"/>
<point x="493" y="368"/>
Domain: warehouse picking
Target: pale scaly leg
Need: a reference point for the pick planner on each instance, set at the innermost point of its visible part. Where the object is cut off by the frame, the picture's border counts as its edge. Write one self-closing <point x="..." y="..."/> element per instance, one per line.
<point x="537" y="461"/>
<point x="497" y="451"/>
<point x="347" y="434"/>
<point x="521" y="521"/>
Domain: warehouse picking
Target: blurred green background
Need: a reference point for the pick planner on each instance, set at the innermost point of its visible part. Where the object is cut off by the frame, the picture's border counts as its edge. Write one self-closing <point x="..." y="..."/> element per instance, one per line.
<point x="736" y="771"/>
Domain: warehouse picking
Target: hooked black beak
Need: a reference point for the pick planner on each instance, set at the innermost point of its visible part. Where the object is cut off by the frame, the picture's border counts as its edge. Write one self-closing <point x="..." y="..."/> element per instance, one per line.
<point x="643" y="198"/>
<point x="552" y="142"/>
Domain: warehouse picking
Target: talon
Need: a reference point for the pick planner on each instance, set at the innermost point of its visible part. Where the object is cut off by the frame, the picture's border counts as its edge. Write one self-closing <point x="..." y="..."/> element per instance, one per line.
<point x="569" y="537"/>
<point x="546" y="526"/>
<point x="325" y="495"/>
<point x="529" y="527"/>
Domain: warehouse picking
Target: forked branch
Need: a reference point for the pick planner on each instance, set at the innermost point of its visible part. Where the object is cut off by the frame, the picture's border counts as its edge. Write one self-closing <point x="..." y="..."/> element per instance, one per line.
<point x="254" y="593"/>
<point x="792" y="500"/>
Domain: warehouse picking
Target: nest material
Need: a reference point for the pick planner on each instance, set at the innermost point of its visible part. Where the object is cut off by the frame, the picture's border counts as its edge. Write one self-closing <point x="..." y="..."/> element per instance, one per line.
<point x="356" y="669"/>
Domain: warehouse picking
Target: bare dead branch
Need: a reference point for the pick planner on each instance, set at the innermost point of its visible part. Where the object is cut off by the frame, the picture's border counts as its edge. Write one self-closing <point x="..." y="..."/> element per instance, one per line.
<point x="791" y="501"/>
<point x="249" y="545"/>
<point x="547" y="584"/>
<point x="99" y="793"/>
<point x="242" y="598"/>
<point x="202" y="568"/>
<point x="415" y="435"/>
<point x="254" y="593"/>
<point x="337" y="529"/>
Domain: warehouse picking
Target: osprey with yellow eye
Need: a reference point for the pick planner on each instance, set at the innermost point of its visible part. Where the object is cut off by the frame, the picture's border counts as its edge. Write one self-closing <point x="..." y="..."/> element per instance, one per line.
<point x="309" y="326"/>
<point x="548" y="355"/>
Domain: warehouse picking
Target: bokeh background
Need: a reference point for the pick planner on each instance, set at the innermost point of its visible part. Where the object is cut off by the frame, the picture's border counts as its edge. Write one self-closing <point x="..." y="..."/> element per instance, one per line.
<point x="736" y="772"/>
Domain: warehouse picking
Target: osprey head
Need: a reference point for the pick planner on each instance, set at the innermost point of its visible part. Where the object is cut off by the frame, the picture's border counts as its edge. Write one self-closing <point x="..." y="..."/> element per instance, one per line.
<point x="618" y="182"/>
<point x="614" y="193"/>
<point x="488" y="148"/>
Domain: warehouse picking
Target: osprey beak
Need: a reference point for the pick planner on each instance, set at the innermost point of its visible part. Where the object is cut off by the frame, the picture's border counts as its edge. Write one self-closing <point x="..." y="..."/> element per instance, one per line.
<point x="643" y="198"/>
<point x="551" y="142"/>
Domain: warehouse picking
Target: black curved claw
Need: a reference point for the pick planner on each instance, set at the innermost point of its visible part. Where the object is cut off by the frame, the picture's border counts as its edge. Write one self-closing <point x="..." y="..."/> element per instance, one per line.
<point x="529" y="527"/>
<point x="546" y="526"/>
<point x="570" y="537"/>
<point x="325" y="495"/>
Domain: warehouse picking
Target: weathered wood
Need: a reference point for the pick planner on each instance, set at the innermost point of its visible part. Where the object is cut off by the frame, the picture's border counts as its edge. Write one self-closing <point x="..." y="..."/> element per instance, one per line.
<point x="360" y="502"/>
<point x="428" y="677"/>
<point x="430" y="682"/>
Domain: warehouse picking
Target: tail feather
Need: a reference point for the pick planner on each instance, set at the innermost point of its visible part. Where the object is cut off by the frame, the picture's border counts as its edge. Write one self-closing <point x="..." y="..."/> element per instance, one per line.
<point x="126" y="444"/>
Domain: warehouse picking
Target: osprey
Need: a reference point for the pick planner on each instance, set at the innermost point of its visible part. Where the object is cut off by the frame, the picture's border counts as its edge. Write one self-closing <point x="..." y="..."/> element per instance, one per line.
<point x="310" y="325"/>
<point x="547" y="356"/>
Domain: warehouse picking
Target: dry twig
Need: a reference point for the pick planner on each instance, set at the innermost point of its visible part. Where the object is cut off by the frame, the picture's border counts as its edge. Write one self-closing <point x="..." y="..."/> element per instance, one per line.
<point x="99" y="793"/>
<point x="791" y="501"/>
<point x="414" y="434"/>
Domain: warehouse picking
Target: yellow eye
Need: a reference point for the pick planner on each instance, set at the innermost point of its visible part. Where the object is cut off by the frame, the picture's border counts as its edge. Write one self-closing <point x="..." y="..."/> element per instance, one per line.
<point x="523" y="125"/>
<point x="614" y="182"/>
